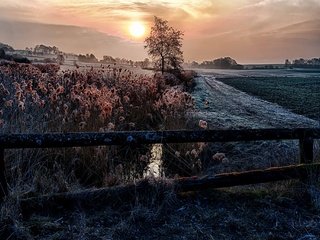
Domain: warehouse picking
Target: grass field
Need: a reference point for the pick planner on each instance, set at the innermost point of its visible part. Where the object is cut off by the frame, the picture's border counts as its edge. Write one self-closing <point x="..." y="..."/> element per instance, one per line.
<point x="300" y="95"/>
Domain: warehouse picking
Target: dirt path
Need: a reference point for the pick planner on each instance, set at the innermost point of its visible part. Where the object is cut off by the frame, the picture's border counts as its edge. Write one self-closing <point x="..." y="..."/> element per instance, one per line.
<point x="223" y="106"/>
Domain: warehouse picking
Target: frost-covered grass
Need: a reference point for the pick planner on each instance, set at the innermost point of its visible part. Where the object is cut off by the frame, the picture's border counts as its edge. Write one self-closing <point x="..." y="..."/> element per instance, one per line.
<point x="40" y="98"/>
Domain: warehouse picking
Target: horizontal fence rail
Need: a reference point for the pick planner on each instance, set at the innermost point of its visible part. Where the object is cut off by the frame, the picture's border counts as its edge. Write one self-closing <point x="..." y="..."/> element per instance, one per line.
<point x="81" y="139"/>
<point x="124" y="193"/>
<point x="305" y="136"/>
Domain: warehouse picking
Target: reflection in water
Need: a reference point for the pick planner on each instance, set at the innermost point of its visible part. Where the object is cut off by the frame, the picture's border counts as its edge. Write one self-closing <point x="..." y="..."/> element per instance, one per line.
<point x="154" y="167"/>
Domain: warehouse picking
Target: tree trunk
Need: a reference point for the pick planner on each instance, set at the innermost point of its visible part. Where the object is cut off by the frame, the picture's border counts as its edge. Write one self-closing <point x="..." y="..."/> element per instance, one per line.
<point x="162" y="65"/>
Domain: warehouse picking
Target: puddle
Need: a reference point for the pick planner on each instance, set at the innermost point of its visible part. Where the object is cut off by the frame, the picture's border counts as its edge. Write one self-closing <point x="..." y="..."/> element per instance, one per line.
<point x="154" y="167"/>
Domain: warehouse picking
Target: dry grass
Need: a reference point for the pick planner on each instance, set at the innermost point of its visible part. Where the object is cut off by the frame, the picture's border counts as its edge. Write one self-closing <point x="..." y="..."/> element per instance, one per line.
<point x="268" y="211"/>
<point x="40" y="98"/>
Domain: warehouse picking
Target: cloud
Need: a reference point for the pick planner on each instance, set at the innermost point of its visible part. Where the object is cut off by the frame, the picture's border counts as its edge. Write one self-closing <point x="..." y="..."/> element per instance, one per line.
<point x="283" y="10"/>
<point x="69" y="39"/>
<point x="292" y="41"/>
<point x="245" y="28"/>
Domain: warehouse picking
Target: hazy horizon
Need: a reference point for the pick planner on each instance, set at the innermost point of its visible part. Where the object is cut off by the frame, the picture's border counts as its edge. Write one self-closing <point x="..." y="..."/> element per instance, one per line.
<point x="250" y="31"/>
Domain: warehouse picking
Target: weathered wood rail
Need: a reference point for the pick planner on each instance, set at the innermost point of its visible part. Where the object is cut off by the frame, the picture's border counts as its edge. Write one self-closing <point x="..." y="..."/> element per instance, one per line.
<point x="305" y="136"/>
<point x="123" y="194"/>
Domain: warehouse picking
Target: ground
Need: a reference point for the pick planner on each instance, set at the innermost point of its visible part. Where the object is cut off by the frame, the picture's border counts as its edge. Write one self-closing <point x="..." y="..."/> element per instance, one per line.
<point x="271" y="211"/>
<point x="228" y="107"/>
<point x="268" y="211"/>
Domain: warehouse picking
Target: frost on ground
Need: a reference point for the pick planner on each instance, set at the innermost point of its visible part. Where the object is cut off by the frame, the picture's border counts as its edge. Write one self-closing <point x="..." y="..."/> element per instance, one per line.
<point x="225" y="107"/>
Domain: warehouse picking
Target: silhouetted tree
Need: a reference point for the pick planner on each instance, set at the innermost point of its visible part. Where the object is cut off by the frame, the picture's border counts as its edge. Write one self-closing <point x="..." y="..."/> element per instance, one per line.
<point x="60" y="59"/>
<point x="306" y="63"/>
<point x="220" y="63"/>
<point x="287" y="63"/>
<point x="108" y="59"/>
<point x="164" y="45"/>
<point x="87" y="58"/>
<point x="145" y="63"/>
<point x="226" y="62"/>
<point x="2" y="53"/>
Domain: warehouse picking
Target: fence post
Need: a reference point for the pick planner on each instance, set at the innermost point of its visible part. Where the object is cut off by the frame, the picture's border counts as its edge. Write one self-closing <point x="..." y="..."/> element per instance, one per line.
<point x="306" y="150"/>
<point x="3" y="181"/>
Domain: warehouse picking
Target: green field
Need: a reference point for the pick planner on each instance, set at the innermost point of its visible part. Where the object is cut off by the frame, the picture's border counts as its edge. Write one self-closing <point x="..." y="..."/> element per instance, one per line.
<point x="300" y="95"/>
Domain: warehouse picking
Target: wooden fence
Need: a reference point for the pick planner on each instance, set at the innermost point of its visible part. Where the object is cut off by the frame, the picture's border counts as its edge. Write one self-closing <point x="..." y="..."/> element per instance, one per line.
<point x="305" y="136"/>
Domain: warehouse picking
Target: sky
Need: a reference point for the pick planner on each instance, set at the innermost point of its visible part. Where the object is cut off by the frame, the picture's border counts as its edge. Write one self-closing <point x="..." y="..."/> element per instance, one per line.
<point x="250" y="31"/>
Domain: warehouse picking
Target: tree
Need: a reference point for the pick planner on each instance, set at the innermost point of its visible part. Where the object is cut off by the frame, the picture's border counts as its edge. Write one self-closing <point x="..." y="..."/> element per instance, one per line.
<point x="287" y="63"/>
<point x="87" y="58"/>
<point x="164" y="45"/>
<point x="60" y="59"/>
<point x="108" y="59"/>
<point x="2" y="53"/>
<point x="145" y="63"/>
<point x="226" y="62"/>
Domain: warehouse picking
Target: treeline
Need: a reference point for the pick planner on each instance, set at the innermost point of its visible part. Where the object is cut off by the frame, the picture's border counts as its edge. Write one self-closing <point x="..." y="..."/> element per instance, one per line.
<point x="9" y="53"/>
<point x="6" y="47"/>
<point x="146" y="63"/>
<point x="111" y="60"/>
<point x="44" y="50"/>
<point x="219" y="63"/>
<point x="15" y="57"/>
<point x="303" y="63"/>
<point x="90" y="58"/>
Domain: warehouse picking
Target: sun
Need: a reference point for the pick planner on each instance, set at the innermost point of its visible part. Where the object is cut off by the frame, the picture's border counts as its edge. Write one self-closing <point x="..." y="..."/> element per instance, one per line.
<point x="137" y="29"/>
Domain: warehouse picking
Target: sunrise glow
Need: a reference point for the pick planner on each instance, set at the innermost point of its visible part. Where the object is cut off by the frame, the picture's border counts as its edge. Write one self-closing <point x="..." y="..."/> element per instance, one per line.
<point x="261" y="31"/>
<point x="137" y="29"/>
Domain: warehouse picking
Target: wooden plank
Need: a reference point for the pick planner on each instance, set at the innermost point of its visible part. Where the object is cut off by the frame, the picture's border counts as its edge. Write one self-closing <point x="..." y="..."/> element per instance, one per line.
<point x="3" y="181"/>
<point x="122" y="194"/>
<point x="150" y="137"/>
<point x="248" y="177"/>
<point x="306" y="150"/>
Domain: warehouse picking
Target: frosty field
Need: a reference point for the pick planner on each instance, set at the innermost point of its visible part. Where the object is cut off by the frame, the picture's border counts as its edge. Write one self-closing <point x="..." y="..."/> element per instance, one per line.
<point x="295" y="90"/>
